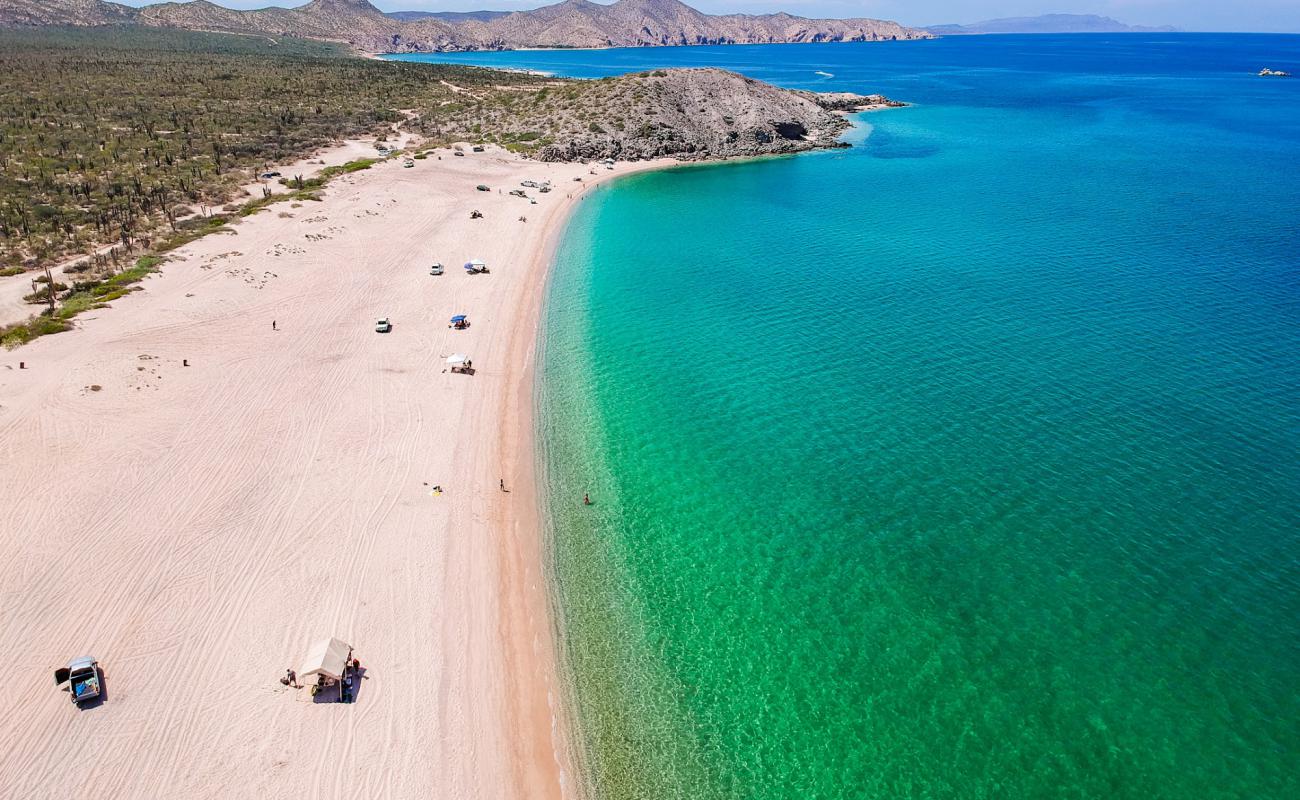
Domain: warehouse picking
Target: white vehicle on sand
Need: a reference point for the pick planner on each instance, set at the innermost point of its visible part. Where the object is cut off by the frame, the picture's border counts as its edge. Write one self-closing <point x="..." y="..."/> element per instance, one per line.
<point x="83" y="678"/>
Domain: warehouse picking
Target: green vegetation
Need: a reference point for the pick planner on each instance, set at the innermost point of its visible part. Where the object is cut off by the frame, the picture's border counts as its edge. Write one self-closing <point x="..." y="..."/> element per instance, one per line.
<point x="343" y="169"/>
<point x="193" y="228"/>
<point x="110" y="134"/>
<point x="94" y="293"/>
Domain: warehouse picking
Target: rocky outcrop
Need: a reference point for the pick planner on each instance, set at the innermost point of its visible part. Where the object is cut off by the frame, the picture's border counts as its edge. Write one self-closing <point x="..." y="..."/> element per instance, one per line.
<point x="690" y="114"/>
<point x="572" y="23"/>
<point x="847" y="101"/>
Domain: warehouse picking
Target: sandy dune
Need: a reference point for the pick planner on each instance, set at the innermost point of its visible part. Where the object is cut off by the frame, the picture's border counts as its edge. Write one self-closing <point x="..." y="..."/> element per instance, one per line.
<point x="196" y="528"/>
<point x="12" y="288"/>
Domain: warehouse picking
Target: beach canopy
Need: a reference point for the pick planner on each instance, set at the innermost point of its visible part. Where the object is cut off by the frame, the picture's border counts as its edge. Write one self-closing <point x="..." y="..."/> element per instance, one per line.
<point x="456" y="359"/>
<point x="327" y="657"/>
<point x="458" y="318"/>
<point x="474" y="264"/>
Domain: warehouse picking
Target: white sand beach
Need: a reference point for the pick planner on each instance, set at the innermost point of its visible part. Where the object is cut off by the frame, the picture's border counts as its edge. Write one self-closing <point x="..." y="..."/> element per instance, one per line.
<point x="196" y="528"/>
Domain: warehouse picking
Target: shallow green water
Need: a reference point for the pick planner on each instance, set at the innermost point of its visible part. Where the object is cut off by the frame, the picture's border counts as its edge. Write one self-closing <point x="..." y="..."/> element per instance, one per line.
<point x="959" y="464"/>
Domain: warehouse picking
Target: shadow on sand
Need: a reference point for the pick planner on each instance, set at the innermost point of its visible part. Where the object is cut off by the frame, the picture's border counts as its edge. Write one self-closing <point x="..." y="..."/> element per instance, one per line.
<point x="333" y="693"/>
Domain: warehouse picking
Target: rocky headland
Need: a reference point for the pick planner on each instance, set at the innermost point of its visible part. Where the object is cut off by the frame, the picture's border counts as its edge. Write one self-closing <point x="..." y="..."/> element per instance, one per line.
<point x="688" y="114"/>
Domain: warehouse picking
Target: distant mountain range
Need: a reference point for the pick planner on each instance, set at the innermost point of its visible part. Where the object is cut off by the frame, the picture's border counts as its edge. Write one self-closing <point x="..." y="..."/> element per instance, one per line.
<point x="1047" y="23"/>
<point x="450" y="16"/>
<point x="572" y="23"/>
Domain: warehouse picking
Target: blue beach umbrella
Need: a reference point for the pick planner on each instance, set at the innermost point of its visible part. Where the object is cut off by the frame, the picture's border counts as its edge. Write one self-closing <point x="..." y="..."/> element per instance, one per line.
<point x="458" y="318"/>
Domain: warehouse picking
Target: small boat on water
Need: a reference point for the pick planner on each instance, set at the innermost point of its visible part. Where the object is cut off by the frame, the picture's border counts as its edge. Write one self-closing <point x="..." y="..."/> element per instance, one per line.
<point x="823" y="74"/>
<point x="1273" y="73"/>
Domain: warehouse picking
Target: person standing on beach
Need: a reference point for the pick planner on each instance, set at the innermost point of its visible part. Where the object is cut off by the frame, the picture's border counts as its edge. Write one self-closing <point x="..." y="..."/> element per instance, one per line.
<point x="272" y="324"/>
<point x="503" y="484"/>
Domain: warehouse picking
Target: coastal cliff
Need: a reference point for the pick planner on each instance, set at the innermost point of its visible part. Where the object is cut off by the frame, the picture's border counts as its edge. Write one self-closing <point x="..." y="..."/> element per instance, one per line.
<point x="689" y="114"/>
<point x="572" y="23"/>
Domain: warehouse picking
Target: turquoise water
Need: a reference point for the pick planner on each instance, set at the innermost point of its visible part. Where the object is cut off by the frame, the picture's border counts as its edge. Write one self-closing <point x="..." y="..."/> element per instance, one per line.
<point x="960" y="464"/>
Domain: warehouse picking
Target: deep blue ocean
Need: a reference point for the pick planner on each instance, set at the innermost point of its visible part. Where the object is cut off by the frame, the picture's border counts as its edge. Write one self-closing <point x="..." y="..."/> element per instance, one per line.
<point x="962" y="463"/>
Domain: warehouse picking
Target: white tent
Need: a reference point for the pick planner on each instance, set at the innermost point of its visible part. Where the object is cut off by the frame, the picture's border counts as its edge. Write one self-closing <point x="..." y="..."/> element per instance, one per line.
<point x="328" y="657"/>
<point x="457" y="359"/>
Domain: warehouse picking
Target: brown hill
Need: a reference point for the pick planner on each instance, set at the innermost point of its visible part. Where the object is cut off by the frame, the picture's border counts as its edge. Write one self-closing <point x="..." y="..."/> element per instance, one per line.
<point x="689" y="114"/>
<point x="573" y="23"/>
<point x="640" y="23"/>
<point x="14" y="13"/>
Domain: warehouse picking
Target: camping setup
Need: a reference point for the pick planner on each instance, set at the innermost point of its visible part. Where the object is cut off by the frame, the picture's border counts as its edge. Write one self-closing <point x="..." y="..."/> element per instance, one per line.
<point x="327" y="660"/>
<point x="460" y="322"/>
<point x="459" y="362"/>
<point x="475" y="266"/>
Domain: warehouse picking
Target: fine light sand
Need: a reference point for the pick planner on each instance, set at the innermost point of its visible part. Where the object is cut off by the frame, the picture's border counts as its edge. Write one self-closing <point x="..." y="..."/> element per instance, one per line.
<point x="196" y="528"/>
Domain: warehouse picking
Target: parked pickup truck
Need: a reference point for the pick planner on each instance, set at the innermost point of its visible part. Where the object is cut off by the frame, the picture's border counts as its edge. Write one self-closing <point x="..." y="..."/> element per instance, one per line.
<point x="83" y="678"/>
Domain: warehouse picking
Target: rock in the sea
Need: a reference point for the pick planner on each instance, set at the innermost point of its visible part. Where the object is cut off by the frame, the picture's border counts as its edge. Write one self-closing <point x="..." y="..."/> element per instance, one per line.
<point x="847" y="101"/>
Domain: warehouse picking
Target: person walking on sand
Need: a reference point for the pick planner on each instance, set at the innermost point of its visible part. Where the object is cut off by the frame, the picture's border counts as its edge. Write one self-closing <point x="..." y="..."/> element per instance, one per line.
<point x="290" y="678"/>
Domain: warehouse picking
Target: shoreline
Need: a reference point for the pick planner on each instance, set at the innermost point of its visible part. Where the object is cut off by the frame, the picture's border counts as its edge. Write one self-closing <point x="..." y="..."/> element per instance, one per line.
<point x="528" y="467"/>
<point x="524" y="513"/>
